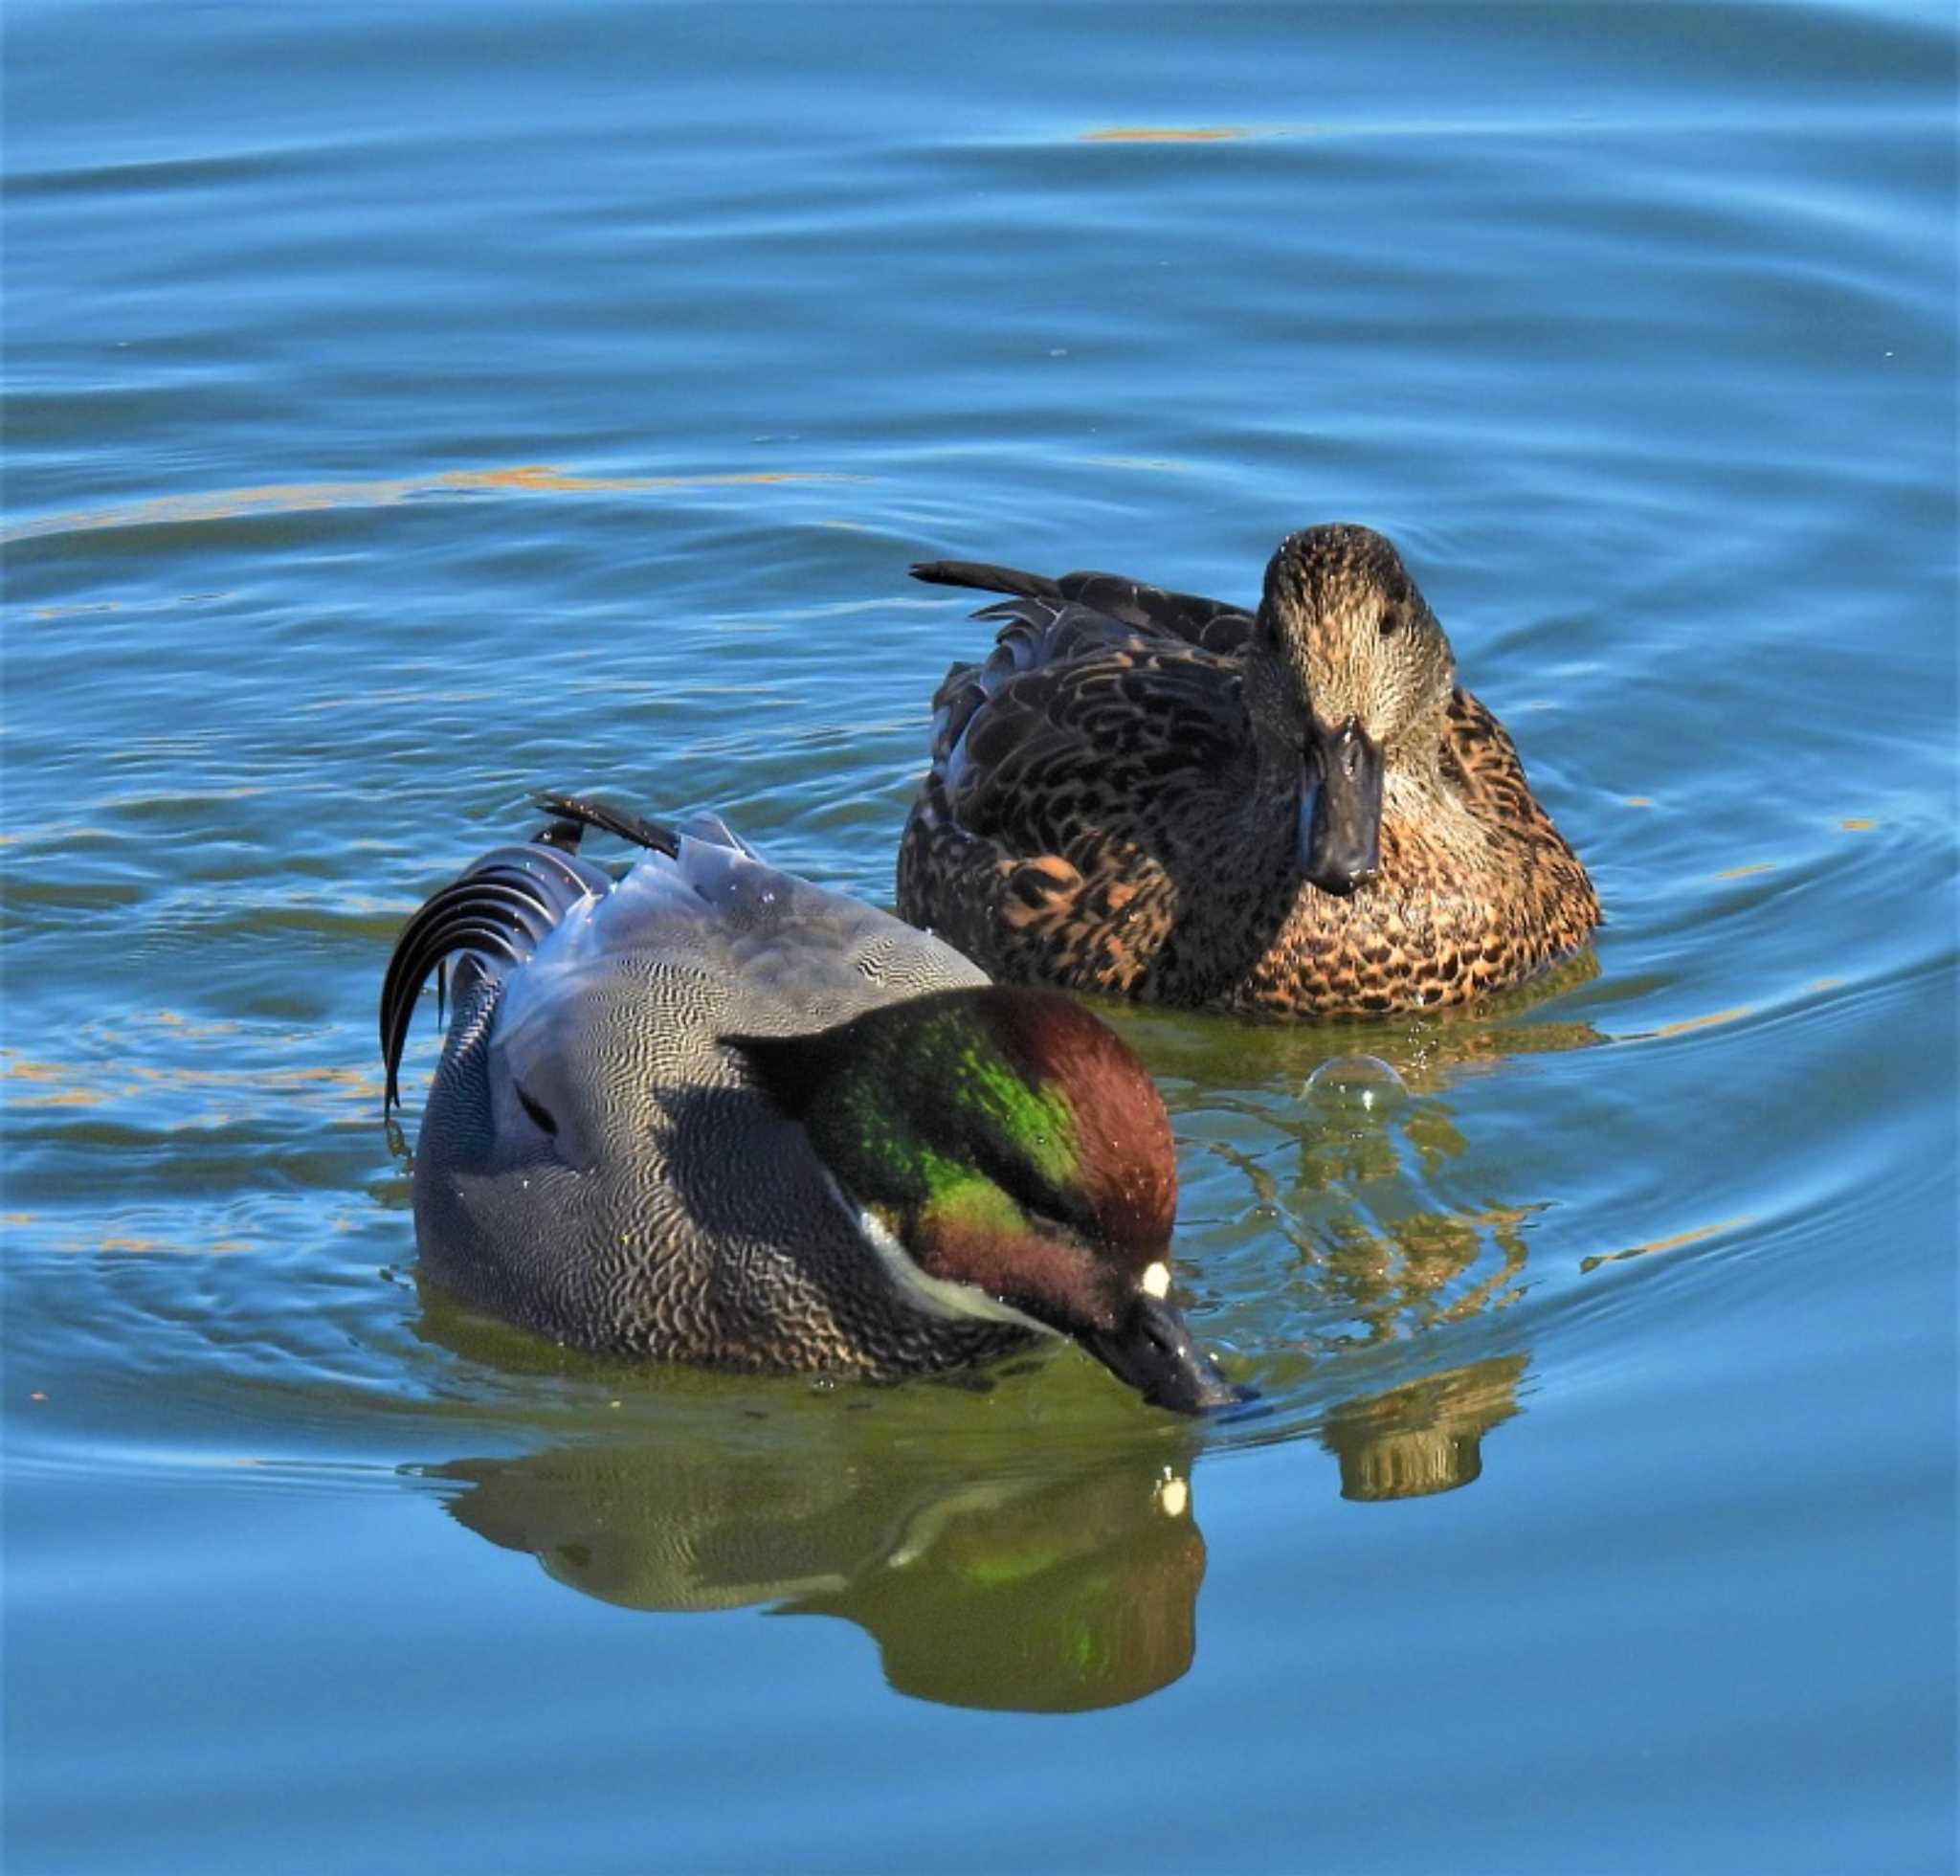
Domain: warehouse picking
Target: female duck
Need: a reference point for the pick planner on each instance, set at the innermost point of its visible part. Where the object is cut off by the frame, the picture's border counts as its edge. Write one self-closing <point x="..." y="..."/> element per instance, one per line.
<point x="709" y="1112"/>
<point x="1295" y="812"/>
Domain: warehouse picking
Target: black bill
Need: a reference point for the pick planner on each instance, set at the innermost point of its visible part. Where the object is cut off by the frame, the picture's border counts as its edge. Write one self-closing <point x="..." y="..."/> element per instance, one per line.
<point x="1340" y="810"/>
<point x="1151" y="1349"/>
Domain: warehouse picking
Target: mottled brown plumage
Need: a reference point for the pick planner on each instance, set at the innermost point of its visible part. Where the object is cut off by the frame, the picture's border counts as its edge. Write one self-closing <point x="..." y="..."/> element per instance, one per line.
<point x="1295" y="812"/>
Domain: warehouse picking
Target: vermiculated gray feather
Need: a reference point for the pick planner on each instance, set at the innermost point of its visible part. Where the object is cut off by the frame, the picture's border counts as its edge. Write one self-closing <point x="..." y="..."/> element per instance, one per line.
<point x="705" y="1225"/>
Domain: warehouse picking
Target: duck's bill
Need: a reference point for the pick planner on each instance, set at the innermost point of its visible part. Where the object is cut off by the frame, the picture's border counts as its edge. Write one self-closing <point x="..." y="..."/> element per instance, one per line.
<point x="1341" y="810"/>
<point x="1151" y="1349"/>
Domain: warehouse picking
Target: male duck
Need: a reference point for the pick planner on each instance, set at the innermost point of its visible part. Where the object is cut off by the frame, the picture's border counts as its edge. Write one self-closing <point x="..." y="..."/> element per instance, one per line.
<point x="709" y="1112"/>
<point x="1295" y="811"/>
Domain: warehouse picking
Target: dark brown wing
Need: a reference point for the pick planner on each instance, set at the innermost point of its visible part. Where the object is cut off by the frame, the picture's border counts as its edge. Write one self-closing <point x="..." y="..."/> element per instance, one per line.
<point x="1072" y="827"/>
<point x="1107" y="739"/>
<point x="1214" y="625"/>
<point x="1102" y="700"/>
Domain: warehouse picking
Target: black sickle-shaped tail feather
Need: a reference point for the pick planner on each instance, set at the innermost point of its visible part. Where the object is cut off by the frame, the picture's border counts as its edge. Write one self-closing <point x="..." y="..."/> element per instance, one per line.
<point x="628" y="826"/>
<point x="499" y="910"/>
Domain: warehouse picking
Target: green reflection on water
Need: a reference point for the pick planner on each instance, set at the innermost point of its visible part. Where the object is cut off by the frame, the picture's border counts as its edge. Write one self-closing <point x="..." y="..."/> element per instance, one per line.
<point x="1059" y="1583"/>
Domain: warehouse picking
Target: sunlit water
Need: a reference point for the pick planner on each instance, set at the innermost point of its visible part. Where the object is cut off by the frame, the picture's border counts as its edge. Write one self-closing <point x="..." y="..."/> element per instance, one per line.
<point x="410" y="407"/>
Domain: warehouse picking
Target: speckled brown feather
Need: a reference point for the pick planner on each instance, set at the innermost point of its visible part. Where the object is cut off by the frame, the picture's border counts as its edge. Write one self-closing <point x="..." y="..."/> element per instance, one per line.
<point x="1098" y="813"/>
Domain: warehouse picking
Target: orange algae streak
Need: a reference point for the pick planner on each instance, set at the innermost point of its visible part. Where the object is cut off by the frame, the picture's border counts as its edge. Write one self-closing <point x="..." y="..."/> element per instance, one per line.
<point x="1708" y="1021"/>
<point x="542" y="476"/>
<point x="1164" y="134"/>
<point x="1679" y="1238"/>
<point x="302" y="498"/>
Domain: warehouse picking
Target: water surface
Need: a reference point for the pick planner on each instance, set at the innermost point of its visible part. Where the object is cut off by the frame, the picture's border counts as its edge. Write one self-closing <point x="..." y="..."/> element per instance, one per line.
<point x="410" y="408"/>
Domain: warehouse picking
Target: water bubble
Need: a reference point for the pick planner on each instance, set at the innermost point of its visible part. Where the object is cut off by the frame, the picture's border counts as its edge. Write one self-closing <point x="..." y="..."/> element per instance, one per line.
<point x="1356" y="1084"/>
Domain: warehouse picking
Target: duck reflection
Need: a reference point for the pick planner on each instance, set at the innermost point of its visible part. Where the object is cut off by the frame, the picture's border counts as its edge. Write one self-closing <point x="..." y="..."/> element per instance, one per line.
<point x="1424" y="1437"/>
<point x="1054" y="1586"/>
<point x="1332" y="1169"/>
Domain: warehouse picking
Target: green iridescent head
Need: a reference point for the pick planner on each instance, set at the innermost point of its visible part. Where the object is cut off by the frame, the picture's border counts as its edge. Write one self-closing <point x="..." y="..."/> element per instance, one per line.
<point x="1008" y="1155"/>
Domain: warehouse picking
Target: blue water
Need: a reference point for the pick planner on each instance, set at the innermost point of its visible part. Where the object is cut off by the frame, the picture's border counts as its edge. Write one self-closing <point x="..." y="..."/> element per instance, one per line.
<point x="408" y="408"/>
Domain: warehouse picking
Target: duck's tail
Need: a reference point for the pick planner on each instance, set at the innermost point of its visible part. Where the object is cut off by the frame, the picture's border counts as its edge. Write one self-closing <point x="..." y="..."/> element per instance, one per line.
<point x="1108" y="602"/>
<point x="571" y="814"/>
<point x="981" y="577"/>
<point x="496" y="912"/>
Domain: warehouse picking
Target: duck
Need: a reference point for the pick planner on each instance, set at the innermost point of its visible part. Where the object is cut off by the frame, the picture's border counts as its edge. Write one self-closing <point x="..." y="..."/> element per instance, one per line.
<point x="1293" y="812"/>
<point x="702" y="1111"/>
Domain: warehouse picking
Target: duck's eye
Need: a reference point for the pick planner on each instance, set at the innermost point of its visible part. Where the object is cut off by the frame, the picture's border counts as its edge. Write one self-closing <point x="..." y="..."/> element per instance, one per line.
<point x="1054" y="1223"/>
<point x="541" y="1115"/>
<point x="1060" y="1214"/>
<point x="1390" y="622"/>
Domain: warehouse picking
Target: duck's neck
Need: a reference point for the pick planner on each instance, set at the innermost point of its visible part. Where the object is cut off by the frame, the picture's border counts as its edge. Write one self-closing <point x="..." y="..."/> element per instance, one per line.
<point x="1413" y="788"/>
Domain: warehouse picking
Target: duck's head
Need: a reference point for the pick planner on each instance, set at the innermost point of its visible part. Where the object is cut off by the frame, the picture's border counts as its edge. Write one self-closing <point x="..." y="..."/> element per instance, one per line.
<point x="1348" y="666"/>
<point x="1007" y="1156"/>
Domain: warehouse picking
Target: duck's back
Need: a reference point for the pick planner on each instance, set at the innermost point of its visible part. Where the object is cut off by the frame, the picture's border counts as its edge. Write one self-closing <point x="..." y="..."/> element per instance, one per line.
<point x="596" y="1162"/>
<point x="1068" y="829"/>
<point x="773" y="954"/>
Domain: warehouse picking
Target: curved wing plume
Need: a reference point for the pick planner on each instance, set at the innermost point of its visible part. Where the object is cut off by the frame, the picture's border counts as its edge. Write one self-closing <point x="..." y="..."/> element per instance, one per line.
<point x="496" y="913"/>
